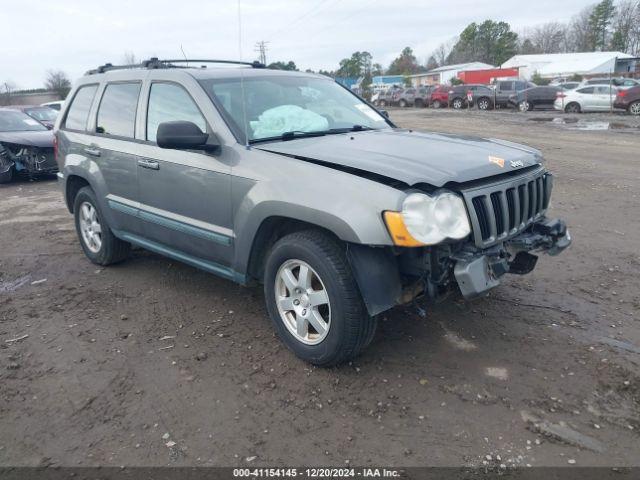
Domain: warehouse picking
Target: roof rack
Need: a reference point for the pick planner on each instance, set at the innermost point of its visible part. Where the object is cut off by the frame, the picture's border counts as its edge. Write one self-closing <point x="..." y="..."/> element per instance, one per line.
<point x="155" y="63"/>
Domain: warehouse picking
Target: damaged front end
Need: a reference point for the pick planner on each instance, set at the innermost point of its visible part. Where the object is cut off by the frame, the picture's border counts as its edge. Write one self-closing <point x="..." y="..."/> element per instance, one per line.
<point x="508" y="225"/>
<point x="434" y="272"/>
<point x="508" y="222"/>
<point x="29" y="160"/>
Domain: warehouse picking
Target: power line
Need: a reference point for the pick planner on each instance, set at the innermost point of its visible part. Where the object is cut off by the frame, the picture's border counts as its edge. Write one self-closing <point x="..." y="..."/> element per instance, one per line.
<point x="261" y="48"/>
<point x="308" y="14"/>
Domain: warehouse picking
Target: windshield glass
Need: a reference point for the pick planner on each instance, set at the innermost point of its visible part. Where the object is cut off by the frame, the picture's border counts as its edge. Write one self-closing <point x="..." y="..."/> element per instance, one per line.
<point x="278" y="104"/>
<point x="46" y="114"/>
<point x="15" y="121"/>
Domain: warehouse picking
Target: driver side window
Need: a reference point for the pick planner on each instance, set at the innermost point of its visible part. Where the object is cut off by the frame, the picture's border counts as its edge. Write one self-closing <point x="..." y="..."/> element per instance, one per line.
<point x="169" y="102"/>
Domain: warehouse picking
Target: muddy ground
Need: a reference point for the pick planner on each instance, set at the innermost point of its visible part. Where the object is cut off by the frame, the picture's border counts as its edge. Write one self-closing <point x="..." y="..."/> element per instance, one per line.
<point x="152" y="362"/>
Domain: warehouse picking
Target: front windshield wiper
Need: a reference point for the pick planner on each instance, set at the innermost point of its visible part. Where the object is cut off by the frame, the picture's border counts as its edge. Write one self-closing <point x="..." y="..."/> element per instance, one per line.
<point x="295" y="134"/>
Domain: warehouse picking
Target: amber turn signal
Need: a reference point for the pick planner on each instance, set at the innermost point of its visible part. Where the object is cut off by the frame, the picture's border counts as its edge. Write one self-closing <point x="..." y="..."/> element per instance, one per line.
<point x="398" y="231"/>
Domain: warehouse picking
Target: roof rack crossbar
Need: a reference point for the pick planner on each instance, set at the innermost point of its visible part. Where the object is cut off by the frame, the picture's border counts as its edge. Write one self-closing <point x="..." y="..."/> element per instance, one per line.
<point x="155" y="63"/>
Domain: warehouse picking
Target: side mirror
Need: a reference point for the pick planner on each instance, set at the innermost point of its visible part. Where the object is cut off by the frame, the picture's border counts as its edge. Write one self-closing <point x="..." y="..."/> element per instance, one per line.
<point x="183" y="135"/>
<point x="384" y="113"/>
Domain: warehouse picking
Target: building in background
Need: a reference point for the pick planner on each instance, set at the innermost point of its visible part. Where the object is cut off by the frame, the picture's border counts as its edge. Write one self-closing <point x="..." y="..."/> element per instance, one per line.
<point x="445" y="74"/>
<point x="564" y="65"/>
<point x="488" y="75"/>
<point x="384" y="82"/>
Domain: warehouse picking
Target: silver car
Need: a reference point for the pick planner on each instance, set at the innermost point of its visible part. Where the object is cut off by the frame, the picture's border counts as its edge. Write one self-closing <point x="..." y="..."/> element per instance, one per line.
<point x="290" y="180"/>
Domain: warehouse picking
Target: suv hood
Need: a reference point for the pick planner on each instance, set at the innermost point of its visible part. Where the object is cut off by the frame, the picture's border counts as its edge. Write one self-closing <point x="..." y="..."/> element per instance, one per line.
<point x="40" y="139"/>
<point x="412" y="157"/>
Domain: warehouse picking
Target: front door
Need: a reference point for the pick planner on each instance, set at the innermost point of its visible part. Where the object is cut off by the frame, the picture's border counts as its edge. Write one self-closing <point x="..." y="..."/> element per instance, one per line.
<point x="184" y="195"/>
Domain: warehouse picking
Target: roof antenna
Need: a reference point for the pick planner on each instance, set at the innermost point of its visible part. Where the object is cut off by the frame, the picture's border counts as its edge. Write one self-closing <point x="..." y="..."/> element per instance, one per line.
<point x="244" y="98"/>
<point x="184" y="55"/>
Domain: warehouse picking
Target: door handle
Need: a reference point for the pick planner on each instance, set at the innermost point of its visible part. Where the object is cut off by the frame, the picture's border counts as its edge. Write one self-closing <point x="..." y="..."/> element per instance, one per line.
<point x="94" y="152"/>
<point x="150" y="164"/>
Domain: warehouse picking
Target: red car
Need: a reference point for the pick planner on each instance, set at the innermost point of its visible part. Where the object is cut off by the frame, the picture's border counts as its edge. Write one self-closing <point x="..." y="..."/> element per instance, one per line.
<point x="440" y="96"/>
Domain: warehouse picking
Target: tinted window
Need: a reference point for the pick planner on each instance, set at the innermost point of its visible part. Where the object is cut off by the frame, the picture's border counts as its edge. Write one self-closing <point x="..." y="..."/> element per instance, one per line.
<point x="605" y="90"/>
<point x="117" y="111"/>
<point x="79" y="110"/>
<point x="168" y="102"/>
<point x="587" y="90"/>
<point x="506" y="85"/>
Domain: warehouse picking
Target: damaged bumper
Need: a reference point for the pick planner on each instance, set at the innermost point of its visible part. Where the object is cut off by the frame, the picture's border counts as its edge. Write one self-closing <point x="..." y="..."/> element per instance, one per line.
<point x="478" y="272"/>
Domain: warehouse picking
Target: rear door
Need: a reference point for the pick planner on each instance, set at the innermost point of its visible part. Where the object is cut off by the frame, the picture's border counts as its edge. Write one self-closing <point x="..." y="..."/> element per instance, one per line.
<point x="185" y="195"/>
<point x="111" y="149"/>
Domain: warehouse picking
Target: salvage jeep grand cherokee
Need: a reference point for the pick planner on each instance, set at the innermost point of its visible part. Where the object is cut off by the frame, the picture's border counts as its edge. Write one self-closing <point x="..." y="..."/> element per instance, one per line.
<point x="290" y="180"/>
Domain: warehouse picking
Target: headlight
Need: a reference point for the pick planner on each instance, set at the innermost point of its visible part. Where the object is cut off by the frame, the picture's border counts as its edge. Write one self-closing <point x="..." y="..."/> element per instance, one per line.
<point x="427" y="220"/>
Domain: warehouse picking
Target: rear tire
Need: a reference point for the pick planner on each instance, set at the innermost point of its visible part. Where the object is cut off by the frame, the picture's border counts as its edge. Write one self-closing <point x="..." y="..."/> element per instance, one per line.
<point x="294" y="304"/>
<point x="573" y="107"/>
<point x="403" y="103"/>
<point x="436" y="104"/>
<point x="383" y="103"/>
<point x="634" y="108"/>
<point x="98" y="242"/>
<point x="457" y="103"/>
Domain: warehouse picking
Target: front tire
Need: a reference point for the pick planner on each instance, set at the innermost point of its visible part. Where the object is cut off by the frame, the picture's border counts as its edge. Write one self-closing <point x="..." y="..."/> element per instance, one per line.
<point x="524" y="106"/>
<point x="7" y="176"/>
<point x="484" y="103"/>
<point x="403" y="103"/>
<point x="313" y="299"/>
<point x="436" y="104"/>
<point x="457" y="103"/>
<point x="98" y="242"/>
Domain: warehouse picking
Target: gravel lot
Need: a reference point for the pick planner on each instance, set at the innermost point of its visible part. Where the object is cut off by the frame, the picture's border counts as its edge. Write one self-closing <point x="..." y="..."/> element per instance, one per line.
<point x="152" y="362"/>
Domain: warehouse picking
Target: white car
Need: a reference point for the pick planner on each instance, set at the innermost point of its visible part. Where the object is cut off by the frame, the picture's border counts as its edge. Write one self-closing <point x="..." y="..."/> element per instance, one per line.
<point x="55" y="105"/>
<point x="593" y="98"/>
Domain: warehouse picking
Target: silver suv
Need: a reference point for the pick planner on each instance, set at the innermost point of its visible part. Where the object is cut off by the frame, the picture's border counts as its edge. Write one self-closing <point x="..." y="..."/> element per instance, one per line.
<point x="290" y="180"/>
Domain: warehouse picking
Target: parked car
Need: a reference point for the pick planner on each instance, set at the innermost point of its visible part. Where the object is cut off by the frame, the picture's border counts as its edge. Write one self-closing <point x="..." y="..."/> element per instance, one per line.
<point x="439" y="96"/>
<point x="620" y="83"/>
<point x="480" y="95"/>
<point x="45" y="115"/>
<point x="288" y="179"/>
<point x="26" y="146"/>
<point x="628" y="100"/>
<point x="595" y="98"/>
<point x="535" y="97"/>
<point x="384" y="98"/>
<point x="567" y="85"/>
<point x="505" y="88"/>
<point x="55" y="105"/>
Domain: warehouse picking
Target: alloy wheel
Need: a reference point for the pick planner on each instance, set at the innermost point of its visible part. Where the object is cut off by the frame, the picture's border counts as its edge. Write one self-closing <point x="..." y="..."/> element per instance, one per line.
<point x="303" y="302"/>
<point x="634" y="108"/>
<point x="90" y="227"/>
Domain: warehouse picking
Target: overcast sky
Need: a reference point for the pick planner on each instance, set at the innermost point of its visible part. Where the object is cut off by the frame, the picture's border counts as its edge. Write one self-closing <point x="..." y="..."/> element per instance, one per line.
<point x="75" y="35"/>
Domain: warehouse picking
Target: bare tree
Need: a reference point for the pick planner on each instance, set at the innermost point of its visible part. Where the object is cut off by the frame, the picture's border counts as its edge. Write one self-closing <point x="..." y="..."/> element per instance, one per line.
<point x="129" y="58"/>
<point x="6" y="89"/>
<point x="580" y="35"/>
<point x="626" y="27"/>
<point x="441" y="53"/>
<point x="57" y="81"/>
<point x="549" y="37"/>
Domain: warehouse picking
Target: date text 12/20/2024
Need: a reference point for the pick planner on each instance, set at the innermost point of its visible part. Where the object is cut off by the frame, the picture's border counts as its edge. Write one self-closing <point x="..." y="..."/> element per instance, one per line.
<point x="305" y="473"/>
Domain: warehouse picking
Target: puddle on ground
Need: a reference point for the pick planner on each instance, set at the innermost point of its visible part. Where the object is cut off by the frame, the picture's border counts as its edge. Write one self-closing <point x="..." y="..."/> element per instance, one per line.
<point x="572" y="123"/>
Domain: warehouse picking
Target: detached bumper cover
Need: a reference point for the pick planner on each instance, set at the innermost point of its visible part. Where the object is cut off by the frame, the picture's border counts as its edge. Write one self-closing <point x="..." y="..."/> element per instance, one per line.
<point x="476" y="274"/>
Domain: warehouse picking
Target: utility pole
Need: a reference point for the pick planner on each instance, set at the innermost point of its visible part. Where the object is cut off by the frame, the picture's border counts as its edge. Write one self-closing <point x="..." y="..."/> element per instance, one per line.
<point x="261" y="48"/>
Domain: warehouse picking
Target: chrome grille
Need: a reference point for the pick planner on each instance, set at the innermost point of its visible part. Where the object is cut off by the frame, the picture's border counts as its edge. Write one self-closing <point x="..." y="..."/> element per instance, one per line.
<point x="500" y="210"/>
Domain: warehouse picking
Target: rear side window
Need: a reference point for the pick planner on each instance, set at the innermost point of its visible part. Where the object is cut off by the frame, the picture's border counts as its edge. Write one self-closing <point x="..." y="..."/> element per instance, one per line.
<point x="506" y="86"/>
<point x="169" y="102"/>
<point x="117" y="111"/>
<point x="587" y="90"/>
<point x="79" y="110"/>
